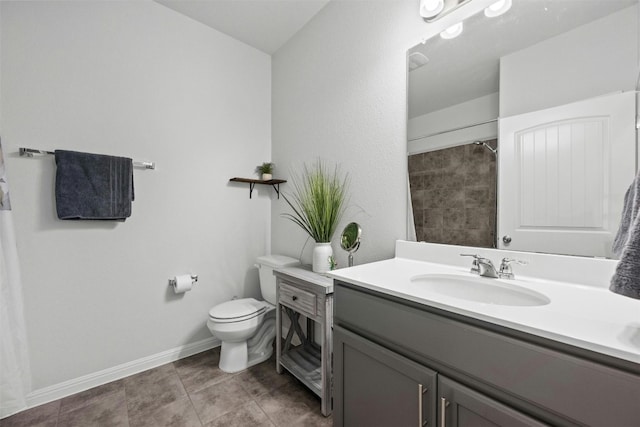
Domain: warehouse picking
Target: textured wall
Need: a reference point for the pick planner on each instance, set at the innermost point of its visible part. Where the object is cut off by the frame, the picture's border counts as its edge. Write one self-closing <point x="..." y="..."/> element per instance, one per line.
<point x="133" y="79"/>
<point x="339" y="92"/>
<point x="598" y="58"/>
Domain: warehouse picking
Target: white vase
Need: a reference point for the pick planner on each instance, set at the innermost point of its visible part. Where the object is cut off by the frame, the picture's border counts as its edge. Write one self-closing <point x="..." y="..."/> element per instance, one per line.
<point x="267" y="176"/>
<point x="322" y="253"/>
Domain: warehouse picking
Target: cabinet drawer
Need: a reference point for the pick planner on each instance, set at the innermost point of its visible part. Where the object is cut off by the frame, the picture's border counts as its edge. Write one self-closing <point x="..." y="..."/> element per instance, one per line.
<point x="302" y="301"/>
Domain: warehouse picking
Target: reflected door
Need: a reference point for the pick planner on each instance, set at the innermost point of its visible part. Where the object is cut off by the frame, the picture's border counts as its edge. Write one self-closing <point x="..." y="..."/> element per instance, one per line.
<point x="563" y="175"/>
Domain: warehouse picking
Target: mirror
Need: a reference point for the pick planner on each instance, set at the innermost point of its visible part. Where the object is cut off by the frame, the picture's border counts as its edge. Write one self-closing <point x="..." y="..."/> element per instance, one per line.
<point x="350" y="239"/>
<point x="551" y="86"/>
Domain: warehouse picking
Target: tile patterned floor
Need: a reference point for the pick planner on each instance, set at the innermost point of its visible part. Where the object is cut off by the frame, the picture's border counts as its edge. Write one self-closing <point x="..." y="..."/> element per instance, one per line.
<point x="190" y="392"/>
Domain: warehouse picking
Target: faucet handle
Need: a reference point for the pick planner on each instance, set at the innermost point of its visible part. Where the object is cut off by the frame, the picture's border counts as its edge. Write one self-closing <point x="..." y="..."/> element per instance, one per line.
<point x="476" y="256"/>
<point x="475" y="268"/>
<point x="505" y="267"/>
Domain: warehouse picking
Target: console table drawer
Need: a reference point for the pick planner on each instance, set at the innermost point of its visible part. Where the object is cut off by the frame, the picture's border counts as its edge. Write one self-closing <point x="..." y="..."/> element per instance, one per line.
<point x="298" y="299"/>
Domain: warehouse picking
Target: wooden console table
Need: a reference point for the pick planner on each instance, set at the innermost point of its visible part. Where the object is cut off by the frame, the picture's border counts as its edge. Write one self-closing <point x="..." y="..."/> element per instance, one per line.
<point x="301" y="292"/>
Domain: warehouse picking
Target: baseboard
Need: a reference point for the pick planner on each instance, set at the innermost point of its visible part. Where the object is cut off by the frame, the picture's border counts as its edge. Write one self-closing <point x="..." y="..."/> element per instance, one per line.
<point x="76" y="385"/>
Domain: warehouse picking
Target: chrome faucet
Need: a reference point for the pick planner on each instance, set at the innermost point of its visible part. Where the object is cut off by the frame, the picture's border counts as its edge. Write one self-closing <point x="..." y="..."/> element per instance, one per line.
<point x="474" y="265"/>
<point x="505" y="267"/>
<point x="485" y="268"/>
<point x="482" y="266"/>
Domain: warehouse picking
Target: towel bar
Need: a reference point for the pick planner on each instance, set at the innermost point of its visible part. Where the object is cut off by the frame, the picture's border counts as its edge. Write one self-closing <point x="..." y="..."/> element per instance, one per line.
<point x="29" y="152"/>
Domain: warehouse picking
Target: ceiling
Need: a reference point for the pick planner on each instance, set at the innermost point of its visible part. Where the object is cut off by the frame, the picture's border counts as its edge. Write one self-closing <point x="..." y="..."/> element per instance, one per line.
<point x="263" y="24"/>
<point x="467" y="67"/>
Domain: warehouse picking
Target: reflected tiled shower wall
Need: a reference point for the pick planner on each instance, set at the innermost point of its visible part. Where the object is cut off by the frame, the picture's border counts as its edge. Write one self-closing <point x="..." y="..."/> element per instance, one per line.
<point x="453" y="192"/>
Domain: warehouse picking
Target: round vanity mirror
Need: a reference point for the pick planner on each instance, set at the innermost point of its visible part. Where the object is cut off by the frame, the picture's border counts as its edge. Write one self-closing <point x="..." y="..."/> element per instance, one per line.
<point x="350" y="239"/>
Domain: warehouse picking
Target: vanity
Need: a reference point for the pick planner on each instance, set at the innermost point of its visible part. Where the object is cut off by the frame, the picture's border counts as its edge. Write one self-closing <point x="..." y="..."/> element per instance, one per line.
<point x="503" y="144"/>
<point x="550" y="352"/>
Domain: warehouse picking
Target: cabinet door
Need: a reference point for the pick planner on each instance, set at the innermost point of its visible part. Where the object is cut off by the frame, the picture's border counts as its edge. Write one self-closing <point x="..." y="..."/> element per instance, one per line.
<point x="374" y="386"/>
<point x="460" y="406"/>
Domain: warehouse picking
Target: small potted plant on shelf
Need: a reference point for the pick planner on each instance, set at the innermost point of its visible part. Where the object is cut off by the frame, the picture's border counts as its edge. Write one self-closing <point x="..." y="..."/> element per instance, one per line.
<point x="265" y="170"/>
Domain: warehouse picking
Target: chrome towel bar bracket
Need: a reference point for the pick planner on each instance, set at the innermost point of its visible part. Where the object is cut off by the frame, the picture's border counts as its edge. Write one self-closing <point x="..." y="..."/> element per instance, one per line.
<point x="29" y="152"/>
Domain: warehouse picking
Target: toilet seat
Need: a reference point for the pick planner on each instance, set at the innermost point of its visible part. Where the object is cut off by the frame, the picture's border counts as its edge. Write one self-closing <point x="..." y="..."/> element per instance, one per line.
<point x="237" y="310"/>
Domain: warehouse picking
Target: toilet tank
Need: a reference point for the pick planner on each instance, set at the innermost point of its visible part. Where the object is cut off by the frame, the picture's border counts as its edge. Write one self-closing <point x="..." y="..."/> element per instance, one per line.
<point x="266" y="264"/>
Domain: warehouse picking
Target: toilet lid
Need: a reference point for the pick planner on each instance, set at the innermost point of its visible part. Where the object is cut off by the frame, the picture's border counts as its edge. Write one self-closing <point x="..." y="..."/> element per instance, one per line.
<point x="236" y="310"/>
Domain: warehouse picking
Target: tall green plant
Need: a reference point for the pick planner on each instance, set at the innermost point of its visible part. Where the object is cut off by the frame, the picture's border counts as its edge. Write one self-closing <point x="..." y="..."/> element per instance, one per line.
<point x="318" y="200"/>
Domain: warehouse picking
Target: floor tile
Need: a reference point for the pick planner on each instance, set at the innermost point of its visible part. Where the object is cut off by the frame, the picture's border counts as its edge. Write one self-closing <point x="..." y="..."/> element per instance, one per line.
<point x="283" y="405"/>
<point x="314" y="419"/>
<point x="41" y="416"/>
<point x="152" y="389"/>
<point x="87" y="397"/>
<point x="191" y="392"/>
<point x="110" y="411"/>
<point x="175" y="414"/>
<point x="296" y="391"/>
<point x="262" y="378"/>
<point x="201" y="370"/>
<point x="214" y="401"/>
<point x="249" y="414"/>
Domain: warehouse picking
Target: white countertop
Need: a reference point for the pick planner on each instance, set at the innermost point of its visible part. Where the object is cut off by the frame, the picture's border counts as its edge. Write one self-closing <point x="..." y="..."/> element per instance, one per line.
<point x="588" y="317"/>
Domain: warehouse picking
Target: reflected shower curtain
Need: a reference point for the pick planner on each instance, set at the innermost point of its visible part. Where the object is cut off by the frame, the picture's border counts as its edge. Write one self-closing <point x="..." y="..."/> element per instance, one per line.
<point x="15" y="374"/>
<point x="411" y="226"/>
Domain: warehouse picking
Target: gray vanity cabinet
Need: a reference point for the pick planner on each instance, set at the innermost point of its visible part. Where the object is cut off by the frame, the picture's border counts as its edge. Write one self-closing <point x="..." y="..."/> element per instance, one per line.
<point x="386" y="347"/>
<point x="460" y="406"/>
<point x="379" y="387"/>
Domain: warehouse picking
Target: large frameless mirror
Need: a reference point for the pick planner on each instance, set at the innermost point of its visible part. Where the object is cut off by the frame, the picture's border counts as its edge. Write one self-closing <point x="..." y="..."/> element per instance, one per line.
<point x="521" y="130"/>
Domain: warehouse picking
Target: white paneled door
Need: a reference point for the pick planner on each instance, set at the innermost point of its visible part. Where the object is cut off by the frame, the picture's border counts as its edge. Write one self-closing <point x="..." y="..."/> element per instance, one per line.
<point x="563" y="172"/>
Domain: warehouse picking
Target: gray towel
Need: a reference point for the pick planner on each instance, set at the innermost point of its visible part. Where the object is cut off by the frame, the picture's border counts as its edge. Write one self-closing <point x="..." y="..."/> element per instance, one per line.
<point x="629" y="213"/>
<point x="626" y="280"/>
<point x="93" y="186"/>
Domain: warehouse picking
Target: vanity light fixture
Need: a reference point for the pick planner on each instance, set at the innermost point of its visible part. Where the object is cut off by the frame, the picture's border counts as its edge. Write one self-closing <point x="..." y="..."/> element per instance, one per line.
<point x="497" y="8"/>
<point x="430" y="8"/>
<point x="453" y="31"/>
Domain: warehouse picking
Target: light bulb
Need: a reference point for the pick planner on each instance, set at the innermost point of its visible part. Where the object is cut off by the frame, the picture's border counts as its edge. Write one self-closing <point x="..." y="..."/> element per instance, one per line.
<point x="497" y="5"/>
<point x="453" y="31"/>
<point x="497" y="8"/>
<point x="430" y="8"/>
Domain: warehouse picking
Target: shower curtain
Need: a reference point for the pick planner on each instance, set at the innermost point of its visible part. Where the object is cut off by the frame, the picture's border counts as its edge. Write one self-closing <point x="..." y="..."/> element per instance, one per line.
<point x="15" y="374"/>
<point x="411" y="225"/>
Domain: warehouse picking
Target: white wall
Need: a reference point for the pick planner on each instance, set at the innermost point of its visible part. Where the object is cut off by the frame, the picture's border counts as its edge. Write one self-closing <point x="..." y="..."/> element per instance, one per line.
<point x="132" y="79"/>
<point x="339" y="92"/>
<point x="552" y="72"/>
<point x="422" y="130"/>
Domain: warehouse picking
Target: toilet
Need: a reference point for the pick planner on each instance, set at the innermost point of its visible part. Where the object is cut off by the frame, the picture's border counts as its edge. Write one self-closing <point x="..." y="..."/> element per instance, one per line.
<point x="247" y="326"/>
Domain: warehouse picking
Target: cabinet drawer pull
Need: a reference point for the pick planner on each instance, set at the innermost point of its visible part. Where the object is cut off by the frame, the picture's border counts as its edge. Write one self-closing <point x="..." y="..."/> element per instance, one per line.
<point x="421" y="391"/>
<point x="300" y="300"/>
<point x="443" y="414"/>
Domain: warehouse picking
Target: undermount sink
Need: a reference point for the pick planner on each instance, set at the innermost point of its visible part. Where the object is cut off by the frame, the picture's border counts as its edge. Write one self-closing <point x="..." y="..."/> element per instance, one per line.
<point x="479" y="289"/>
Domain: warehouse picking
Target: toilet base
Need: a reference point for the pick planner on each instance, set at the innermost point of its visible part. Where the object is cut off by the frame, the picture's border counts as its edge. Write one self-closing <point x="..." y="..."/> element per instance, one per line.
<point x="238" y="356"/>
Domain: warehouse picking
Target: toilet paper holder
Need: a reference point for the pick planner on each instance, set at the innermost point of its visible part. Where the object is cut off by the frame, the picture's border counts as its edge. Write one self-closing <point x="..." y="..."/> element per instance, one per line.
<point x="194" y="279"/>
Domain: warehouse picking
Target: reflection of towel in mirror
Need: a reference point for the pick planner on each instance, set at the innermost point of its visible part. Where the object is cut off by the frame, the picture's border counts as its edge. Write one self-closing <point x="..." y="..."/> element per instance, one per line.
<point x="93" y="186"/>
<point x="629" y="213"/>
<point x="626" y="280"/>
